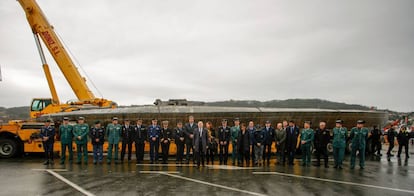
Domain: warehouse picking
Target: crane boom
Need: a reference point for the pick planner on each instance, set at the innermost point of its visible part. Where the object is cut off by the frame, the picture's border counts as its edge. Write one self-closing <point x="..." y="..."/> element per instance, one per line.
<point x="42" y="28"/>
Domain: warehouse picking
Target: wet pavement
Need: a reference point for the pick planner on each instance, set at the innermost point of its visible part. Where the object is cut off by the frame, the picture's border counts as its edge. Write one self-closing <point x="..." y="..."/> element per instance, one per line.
<point x="27" y="176"/>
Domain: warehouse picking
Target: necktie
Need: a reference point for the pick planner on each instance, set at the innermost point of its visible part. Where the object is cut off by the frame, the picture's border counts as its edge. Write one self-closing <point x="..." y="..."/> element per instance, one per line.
<point x="139" y="131"/>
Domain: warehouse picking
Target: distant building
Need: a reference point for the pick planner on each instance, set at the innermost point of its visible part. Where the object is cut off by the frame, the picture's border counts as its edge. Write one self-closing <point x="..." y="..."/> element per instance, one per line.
<point x="178" y="102"/>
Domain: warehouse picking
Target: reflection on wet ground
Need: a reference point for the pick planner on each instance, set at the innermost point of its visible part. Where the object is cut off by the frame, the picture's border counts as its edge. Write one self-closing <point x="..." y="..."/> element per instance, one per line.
<point x="27" y="176"/>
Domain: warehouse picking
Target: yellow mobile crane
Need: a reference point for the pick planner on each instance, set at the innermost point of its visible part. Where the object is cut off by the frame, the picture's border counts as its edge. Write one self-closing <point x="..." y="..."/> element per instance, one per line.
<point x="20" y="137"/>
<point x="41" y="28"/>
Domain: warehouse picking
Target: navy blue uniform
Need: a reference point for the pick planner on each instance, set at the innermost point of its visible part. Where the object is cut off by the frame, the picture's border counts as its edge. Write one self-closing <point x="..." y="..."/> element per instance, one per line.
<point x="178" y="135"/>
<point x="48" y="132"/>
<point x="291" y="142"/>
<point x="166" y="136"/>
<point x="97" y="136"/>
<point x="154" y="133"/>
<point x="224" y="139"/>
<point x="140" y="133"/>
<point x="269" y="137"/>
<point x="127" y="135"/>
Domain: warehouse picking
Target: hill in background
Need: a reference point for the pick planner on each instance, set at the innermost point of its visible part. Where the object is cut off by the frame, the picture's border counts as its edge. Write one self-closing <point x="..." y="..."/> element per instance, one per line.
<point x="290" y="103"/>
<point x="15" y="113"/>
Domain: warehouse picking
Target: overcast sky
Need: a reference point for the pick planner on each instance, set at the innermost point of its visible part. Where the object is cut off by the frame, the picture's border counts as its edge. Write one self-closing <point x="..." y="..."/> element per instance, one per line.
<point x="134" y="51"/>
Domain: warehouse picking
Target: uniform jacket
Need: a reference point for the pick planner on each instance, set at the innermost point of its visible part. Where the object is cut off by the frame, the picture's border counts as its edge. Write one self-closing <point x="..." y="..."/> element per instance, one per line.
<point x="48" y="132"/>
<point x="258" y="137"/>
<point x="127" y="133"/>
<point x="203" y="138"/>
<point x="339" y="137"/>
<point x="188" y="130"/>
<point x="177" y="134"/>
<point x="292" y="134"/>
<point x="322" y="138"/>
<point x="113" y="132"/>
<point x="97" y="133"/>
<point x="66" y="133"/>
<point x="140" y="133"/>
<point x="154" y="131"/>
<point x="234" y="133"/>
<point x="81" y="130"/>
<point x="166" y="134"/>
<point x="224" y="134"/>
<point x="251" y="132"/>
<point x="307" y="135"/>
<point x="359" y="137"/>
<point x="269" y="135"/>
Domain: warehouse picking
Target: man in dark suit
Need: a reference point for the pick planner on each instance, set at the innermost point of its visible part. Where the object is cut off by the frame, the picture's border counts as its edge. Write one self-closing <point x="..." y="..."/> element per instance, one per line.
<point x="189" y="135"/>
<point x="322" y="138"/>
<point x="200" y="143"/>
<point x="127" y="139"/>
<point x="292" y="133"/>
<point x="140" y="133"/>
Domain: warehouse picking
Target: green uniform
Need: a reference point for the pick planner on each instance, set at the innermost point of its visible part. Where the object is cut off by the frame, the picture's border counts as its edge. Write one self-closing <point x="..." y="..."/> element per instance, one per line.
<point x="66" y="138"/>
<point x="359" y="138"/>
<point x="81" y="130"/>
<point x="113" y="133"/>
<point x="339" y="144"/>
<point x="307" y="135"/>
<point x="234" y="134"/>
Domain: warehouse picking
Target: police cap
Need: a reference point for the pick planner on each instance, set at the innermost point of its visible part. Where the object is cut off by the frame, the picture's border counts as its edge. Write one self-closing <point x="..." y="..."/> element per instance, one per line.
<point x="361" y="122"/>
<point x="339" y="121"/>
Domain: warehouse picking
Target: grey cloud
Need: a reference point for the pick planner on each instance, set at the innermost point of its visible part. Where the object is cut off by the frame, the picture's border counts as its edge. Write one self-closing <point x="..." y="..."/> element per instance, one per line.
<point x="137" y="51"/>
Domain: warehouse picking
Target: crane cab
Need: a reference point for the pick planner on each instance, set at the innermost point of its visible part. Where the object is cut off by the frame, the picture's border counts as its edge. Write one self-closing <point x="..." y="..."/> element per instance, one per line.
<point x="38" y="106"/>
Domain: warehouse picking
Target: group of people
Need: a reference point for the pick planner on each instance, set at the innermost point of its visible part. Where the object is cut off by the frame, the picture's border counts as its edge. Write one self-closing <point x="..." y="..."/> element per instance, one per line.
<point x="201" y="143"/>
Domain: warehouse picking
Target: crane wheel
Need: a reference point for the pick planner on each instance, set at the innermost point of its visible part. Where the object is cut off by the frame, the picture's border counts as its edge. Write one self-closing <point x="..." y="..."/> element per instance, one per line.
<point x="329" y="148"/>
<point x="8" y="148"/>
